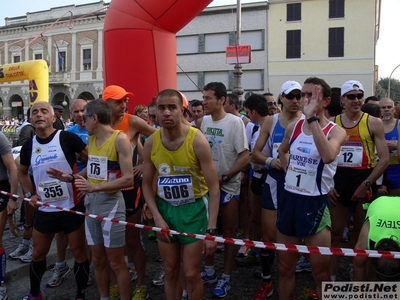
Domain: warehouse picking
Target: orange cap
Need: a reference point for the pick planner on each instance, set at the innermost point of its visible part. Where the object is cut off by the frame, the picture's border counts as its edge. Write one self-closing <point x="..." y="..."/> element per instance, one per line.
<point x="184" y="100"/>
<point x="115" y="92"/>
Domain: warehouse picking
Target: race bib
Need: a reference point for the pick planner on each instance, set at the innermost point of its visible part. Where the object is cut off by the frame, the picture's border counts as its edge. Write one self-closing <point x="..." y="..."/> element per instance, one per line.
<point x="176" y="189"/>
<point x="97" y="167"/>
<point x="300" y="179"/>
<point x="350" y="156"/>
<point x="53" y="190"/>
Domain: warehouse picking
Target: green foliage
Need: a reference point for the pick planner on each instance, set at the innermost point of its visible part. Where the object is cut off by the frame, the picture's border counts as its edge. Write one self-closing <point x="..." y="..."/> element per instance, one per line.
<point x="382" y="86"/>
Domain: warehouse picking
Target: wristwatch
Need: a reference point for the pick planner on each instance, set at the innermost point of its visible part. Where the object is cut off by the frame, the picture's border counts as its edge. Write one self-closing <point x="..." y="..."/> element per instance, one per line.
<point x="225" y="178"/>
<point x="367" y="183"/>
<point x="212" y="231"/>
<point x="312" y="119"/>
<point x="28" y="195"/>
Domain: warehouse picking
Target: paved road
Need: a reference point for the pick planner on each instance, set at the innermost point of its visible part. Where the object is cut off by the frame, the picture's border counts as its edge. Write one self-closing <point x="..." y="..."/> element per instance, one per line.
<point x="244" y="285"/>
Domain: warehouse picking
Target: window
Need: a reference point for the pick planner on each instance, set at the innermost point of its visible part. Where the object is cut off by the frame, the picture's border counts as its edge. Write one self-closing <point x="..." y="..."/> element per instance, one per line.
<point x="293" y="12"/>
<point x="16" y="58"/>
<point x="336" y="42"/>
<point x="87" y="59"/>
<point x="62" y="61"/>
<point x="37" y="56"/>
<point x="293" y="43"/>
<point x="187" y="44"/>
<point x="221" y="76"/>
<point x="187" y="81"/>
<point x="216" y="42"/>
<point x="336" y="9"/>
<point x="253" y="38"/>
<point x="252" y="80"/>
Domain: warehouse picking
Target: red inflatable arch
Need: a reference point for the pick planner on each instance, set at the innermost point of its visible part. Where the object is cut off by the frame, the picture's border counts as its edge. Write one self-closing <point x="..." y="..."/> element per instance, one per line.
<point x="140" y="44"/>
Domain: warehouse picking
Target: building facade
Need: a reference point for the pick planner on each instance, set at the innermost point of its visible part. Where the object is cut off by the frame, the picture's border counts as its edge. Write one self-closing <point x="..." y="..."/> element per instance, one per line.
<point x="70" y="39"/>
<point x="290" y="40"/>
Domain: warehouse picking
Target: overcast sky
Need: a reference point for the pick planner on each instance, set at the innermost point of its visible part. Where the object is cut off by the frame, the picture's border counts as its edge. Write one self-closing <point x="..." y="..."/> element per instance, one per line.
<point x="387" y="54"/>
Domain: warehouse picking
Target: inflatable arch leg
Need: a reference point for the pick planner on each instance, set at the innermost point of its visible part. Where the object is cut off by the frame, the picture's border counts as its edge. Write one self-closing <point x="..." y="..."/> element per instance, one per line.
<point x="140" y="44"/>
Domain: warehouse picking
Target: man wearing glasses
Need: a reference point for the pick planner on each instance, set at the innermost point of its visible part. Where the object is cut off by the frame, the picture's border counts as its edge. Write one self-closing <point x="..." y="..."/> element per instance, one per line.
<point x="357" y="168"/>
<point x="152" y="115"/>
<point x="117" y="98"/>
<point x="272" y="105"/>
<point x="266" y="152"/>
<point x="391" y="126"/>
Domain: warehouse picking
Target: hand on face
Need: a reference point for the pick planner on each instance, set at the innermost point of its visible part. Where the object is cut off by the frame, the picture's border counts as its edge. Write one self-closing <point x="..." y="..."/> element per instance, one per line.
<point x="312" y="104"/>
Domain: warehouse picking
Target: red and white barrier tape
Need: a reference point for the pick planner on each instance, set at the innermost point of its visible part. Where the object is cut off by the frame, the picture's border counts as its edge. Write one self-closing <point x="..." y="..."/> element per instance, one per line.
<point x="256" y="244"/>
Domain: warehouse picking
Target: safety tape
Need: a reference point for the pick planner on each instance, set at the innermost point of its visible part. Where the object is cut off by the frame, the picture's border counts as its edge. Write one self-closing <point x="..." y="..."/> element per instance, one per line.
<point x="248" y="243"/>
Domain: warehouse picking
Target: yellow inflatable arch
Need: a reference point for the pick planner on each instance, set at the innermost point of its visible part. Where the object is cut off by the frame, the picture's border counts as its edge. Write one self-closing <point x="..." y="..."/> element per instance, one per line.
<point x="36" y="71"/>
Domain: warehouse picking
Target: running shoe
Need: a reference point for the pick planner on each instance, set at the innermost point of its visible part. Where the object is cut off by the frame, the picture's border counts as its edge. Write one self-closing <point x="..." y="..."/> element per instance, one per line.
<point x="222" y="288"/>
<point x="303" y="265"/>
<point x="265" y="290"/>
<point x="27" y="257"/>
<point x="207" y="279"/>
<point x="3" y="291"/>
<point x="159" y="279"/>
<point x="58" y="275"/>
<point x="314" y="294"/>
<point x="114" y="292"/>
<point x="140" y="293"/>
<point x="30" y="297"/>
<point x="21" y="250"/>
<point x="132" y="272"/>
<point x="90" y="279"/>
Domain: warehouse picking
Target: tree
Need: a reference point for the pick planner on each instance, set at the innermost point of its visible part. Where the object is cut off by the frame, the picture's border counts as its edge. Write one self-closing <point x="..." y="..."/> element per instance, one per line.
<point x="382" y="86"/>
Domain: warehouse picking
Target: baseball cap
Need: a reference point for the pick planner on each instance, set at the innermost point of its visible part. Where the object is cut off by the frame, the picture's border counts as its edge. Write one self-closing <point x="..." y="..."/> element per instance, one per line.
<point x="58" y="107"/>
<point x="351" y="85"/>
<point x="115" y="92"/>
<point x="184" y="100"/>
<point x="289" y="86"/>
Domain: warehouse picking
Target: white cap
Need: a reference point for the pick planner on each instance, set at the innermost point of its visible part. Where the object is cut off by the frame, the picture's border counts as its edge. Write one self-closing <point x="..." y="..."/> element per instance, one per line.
<point x="351" y="85"/>
<point x="289" y="86"/>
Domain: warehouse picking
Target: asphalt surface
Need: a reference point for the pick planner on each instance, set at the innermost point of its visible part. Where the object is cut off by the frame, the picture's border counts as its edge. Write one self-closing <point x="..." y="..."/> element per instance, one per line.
<point x="243" y="284"/>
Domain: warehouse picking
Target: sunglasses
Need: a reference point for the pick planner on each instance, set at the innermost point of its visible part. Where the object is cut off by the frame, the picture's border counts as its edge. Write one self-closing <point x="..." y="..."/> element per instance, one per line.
<point x="84" y="117"/>
<point x="152" y="116"/>
<point x="354" y="96"/>
<point x="271" y="103"/>
<point x="292" y="96"/>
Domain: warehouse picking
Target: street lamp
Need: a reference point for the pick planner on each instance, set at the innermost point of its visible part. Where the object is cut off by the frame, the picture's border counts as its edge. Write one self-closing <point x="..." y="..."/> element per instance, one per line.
<point x="390" y="76"/>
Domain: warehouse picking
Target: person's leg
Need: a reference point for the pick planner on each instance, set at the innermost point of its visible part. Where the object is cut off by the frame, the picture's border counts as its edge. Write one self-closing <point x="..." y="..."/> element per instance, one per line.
<point x="118" y="265"/>
<point x="244" y="208"/>
<point x="3" y="258"/>
<point x="286" y="267"/>
<point x="340" y="216"/>
<point x="76" y="241"/>
<point x="42" y="242"/>
<point x="320" y="263"/>
<point x="135" y="247"/>
<point x="229" y="215"/>
<point x="171" y="255"/>
<point x="191" y="258"/>
<point x="101" y="269"/>
<point x="268" y="228"/>
<point x="62" y="244"/>
<point x="358" y="221"/>
<point x="255" y="208"/>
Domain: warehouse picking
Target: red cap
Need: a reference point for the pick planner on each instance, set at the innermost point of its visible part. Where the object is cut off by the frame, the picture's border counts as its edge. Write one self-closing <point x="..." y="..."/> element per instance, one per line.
<point x="115" y="92"/>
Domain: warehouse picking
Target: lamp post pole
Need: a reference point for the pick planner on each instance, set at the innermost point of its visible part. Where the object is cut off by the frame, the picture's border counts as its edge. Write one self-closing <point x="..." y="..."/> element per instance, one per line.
<point x="238" y="90"/>
<point x="390" y="76"/>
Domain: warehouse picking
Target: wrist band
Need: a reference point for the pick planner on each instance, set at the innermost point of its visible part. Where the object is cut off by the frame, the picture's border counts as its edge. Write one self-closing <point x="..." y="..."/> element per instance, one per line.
<point x="268" y="162"/>
<point x="73" y="178"/>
